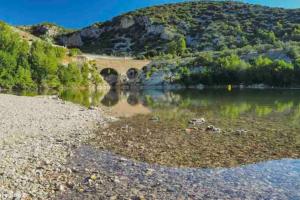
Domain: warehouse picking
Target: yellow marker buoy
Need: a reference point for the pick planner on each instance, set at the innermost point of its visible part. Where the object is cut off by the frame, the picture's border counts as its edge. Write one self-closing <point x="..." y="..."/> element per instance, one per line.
<point x="229" y="88"/>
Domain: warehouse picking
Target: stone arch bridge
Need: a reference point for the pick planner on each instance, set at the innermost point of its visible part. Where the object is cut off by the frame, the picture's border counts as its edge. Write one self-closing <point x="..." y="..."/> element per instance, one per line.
<point x="117" y="70"/>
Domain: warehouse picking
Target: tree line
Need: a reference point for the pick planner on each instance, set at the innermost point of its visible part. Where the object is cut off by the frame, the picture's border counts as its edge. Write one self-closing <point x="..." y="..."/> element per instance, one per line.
<point x="25" y="66"/>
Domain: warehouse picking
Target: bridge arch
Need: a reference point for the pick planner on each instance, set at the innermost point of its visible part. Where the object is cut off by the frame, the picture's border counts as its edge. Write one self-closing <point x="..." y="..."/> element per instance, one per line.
<point x="132" y="73"/>
<point x="110" y="75"/>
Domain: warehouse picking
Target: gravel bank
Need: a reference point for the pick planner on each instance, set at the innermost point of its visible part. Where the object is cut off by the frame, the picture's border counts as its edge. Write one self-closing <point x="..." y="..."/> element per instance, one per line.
<point x="37" y="136"/>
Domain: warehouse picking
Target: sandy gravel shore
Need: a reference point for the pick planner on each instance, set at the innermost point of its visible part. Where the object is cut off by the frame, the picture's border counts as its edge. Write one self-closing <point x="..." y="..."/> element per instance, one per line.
<point x="37" y="136"/>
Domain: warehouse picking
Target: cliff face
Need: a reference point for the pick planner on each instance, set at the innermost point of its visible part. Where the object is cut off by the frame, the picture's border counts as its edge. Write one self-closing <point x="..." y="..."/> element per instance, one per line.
<point x="203" y="26"/>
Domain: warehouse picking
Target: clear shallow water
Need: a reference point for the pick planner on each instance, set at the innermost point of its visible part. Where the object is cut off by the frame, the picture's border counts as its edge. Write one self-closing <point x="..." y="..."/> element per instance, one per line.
<point x="277" y="179"/>
<point x="260" y="163"/>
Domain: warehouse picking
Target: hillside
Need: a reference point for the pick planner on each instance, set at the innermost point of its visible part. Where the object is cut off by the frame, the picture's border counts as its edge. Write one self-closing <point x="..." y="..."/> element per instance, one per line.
<point x="25" y="35"/>
<point x="200" y="26"/>
<point x="46" y="31"/>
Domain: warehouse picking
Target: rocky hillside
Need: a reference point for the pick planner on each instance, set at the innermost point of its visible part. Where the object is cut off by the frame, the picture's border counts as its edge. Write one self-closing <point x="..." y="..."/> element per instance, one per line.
<point x="25" y="35"/>
<point x="196" y="25"/>
<point x="45" y="31"/>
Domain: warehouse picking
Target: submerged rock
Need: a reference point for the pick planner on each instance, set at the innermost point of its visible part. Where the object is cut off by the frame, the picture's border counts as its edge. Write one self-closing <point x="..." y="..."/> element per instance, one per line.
<point x="196" y="121"/>
<point x="213" y="129"/>
<point x="154" y="118"/>
<point x="241" y="131"/>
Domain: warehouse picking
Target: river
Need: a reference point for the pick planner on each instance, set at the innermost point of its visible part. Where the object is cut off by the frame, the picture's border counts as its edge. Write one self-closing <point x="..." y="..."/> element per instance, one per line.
<point x="242" y="143"/>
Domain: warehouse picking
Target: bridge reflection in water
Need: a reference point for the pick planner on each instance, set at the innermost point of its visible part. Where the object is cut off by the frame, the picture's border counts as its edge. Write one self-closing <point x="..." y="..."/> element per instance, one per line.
<point x="120" y="103"/>
<point x="124" y="103"/>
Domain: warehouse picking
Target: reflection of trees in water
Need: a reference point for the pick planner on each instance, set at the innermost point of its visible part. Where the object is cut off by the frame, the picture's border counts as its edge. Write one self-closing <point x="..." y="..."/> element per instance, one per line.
<point x="234" y="110"/>
<point x="285" y="105"/>
<point x="82" y="97"/>
<point x="232" y="105"/>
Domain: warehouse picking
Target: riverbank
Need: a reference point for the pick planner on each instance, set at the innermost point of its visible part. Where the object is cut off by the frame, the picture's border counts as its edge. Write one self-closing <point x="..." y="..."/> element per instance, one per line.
<point x="37" y="136"/>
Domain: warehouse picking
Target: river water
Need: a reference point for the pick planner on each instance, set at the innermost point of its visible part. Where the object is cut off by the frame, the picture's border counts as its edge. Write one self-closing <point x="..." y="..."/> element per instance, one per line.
<point x="243" y="144"/>
<point x="255" y="144"/>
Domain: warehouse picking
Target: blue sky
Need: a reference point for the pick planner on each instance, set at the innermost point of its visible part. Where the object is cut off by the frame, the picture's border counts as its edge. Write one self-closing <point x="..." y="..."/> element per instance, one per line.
<point x="81" y="13"/>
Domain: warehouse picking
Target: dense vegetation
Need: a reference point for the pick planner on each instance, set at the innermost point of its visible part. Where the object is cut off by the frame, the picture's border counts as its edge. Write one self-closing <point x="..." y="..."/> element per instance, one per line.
<point x="201" y="26"/>
<point x="262" y="64"/>
<point x="25" y="66"/>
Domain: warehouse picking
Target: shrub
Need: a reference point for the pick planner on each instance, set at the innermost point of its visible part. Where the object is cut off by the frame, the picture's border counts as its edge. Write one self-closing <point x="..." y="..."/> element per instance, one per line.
<point x="74" y="52"/>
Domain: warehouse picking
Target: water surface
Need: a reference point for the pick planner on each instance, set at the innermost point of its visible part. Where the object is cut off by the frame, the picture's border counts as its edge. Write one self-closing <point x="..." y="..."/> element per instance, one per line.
<point x="253" y="126"/>
<point x="254" y="154"/>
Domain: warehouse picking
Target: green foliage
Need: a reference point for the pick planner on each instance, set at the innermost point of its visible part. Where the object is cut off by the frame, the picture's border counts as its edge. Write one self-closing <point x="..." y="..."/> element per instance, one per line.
<point x="262" y="62"/>
<point x="85" y="71"/>
<point x="172" y="48"/>
<point x="74" y="52"/>
<point x="231" y="69"/>
<point x="233" y="62"/>
<point x="267" y="36"/>
<point x="70" y="75"/>
<point x="177" y="46"/>
<point x="44" y="62"/>
<point x="96" y="79"/>
<point x="14" y="60"/>
<point x="296" y="33"/>
<point x="24" y="80"/>
<point x="181" y="46"/>
<point x="27" y="67"/>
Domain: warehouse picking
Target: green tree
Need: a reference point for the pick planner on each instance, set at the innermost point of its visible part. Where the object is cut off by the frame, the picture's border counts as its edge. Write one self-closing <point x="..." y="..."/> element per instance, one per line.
<point x="70" y="75"/>
<point x="262" y="61"/>
<point x="181" y="46"/>
<point x="177" y="46"/>
<point x="74" y="52"/>
<point x="172" y="48"/>
<point x="85" y="72"/>
<point x="7" y="68"/>
<point x="24" y="80"/>
<point x="233" y="62"/>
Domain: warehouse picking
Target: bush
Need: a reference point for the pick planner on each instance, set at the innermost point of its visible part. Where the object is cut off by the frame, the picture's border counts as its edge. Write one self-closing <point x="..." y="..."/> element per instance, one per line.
<point x="74" y="52"/>
<point x="37" y="66"/>
<point x="70" y="75"/>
